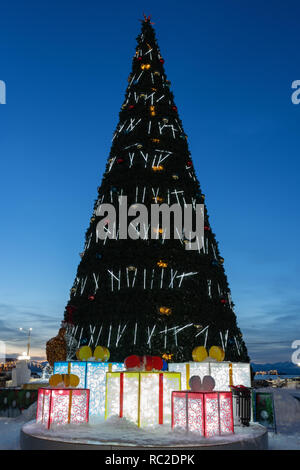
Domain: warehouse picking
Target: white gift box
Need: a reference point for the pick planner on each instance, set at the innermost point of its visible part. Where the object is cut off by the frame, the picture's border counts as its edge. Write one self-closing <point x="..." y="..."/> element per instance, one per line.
<point x="224" y="373"/>
<point x="141" y="397"/>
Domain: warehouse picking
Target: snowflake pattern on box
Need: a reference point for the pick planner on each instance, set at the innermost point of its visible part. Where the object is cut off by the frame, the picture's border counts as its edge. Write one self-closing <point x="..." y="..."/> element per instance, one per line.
<point x="226" y="415"/>
<point x="207" y="413"/>
<point x="62" y="406"/>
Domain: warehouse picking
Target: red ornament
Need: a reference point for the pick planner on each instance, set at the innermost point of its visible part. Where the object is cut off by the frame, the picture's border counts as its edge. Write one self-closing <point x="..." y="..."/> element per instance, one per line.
<point x="161" y="61"/>
<point x="174" y="108"/>
<point x="120" y="160"/>
<point x="70" y="309"/>
<point x="206" y="227"/>
<point x="157" y="363"/>
<point x="223" y="301"/>
<point x="131" y="106"/>
<point x="132" y="362"/>
<point x="189" y="163"/>
<point x="91" y="297"/>
<point x="139" y="58"/>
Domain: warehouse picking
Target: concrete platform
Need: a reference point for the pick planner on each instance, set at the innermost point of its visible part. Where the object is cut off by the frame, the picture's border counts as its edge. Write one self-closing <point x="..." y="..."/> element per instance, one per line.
<point x="254" y="437"/>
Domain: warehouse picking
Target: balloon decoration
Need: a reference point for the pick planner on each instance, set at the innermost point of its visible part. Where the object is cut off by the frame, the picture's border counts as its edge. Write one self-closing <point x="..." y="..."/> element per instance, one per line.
<point x="207" y="385"/>
<point x="64" y="380"/>
<point x="200" y="354"/>
<point x="144" y="363"/>
<point x="217" y="353"/>
<point x="101" y="354"/>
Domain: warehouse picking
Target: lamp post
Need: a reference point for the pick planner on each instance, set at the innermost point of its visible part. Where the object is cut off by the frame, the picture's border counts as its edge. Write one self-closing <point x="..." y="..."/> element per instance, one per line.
<point x="28" y="342"/>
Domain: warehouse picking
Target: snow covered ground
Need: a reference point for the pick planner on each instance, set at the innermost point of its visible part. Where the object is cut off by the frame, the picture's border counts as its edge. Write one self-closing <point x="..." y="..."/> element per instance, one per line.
<point x="287" y="410"/>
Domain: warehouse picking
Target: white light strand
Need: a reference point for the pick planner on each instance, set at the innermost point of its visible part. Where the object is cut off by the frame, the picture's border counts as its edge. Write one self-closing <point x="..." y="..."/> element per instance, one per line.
<point x="109" y="335"/>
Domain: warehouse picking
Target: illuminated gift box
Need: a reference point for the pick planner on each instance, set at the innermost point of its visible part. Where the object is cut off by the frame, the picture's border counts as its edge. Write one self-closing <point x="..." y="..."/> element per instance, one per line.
<point x="62" y="406"/>
<point x="141" y="397"/>
<point x="207" y="413"/>
<point x="92" y="375"/>
<point x="224" y="373"/>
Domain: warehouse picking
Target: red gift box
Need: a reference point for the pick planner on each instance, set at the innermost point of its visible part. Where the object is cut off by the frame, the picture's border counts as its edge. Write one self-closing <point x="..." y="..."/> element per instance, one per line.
<point x="62" y="406"/>
<point x="208" y="413"/>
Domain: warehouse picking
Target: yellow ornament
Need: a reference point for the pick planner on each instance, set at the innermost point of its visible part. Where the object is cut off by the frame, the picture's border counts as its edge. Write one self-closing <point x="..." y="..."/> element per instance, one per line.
<point x="85" y="353"/>
<point x="165" y="310"/>
<point x="217" y="353"/>
<point x="199" y="354"/>
<point x="102" y="353"/>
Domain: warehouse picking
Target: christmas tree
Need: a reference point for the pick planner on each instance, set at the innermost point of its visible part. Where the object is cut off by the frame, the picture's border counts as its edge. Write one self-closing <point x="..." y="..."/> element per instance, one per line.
<point x="151" y="295"/>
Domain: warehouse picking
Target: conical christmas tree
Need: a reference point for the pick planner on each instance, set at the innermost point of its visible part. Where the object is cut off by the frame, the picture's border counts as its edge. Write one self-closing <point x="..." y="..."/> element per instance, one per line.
<point x="150" y="295"/>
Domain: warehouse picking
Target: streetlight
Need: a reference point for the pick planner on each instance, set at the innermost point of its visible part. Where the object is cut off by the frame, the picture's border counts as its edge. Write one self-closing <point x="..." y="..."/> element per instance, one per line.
<point x="28" y="343"/>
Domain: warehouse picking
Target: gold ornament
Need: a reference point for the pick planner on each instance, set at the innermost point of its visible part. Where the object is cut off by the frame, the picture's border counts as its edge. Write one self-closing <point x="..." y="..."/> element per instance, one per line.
<point x="167" y="357"/>
<point x="157" y="199"/>
<point x="157" y="168"/>
<point x="145" y="66"/>
<point x="165" y="310"/>
<point x="152" y="110"/>
<point x="162" y="264"/>
<point x="131" y="268"/>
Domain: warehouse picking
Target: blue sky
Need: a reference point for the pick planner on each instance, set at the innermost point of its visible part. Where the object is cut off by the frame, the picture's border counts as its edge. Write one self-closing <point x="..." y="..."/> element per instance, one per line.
<point x="231" y="64"/>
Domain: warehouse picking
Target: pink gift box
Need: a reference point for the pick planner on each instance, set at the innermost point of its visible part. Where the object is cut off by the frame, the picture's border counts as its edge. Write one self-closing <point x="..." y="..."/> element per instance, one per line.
<point x="208" y="413"/>
<point x="62" y="406"/>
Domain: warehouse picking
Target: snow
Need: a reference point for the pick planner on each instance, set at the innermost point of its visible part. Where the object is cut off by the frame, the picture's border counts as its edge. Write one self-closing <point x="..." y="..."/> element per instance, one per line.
<point x="116" y="430"/>
<point x="287" y="411"/>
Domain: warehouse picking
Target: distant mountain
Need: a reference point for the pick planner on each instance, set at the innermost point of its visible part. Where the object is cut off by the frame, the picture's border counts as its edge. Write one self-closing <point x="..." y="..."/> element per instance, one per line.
<point x="287" y="368"/>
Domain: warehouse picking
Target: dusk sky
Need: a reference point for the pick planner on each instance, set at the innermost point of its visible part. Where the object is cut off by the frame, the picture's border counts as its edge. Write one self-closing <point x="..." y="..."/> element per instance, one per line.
<point x="231" y="65"/>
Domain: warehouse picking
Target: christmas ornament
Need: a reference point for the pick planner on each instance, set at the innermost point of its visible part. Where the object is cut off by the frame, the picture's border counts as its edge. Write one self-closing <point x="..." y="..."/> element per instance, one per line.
<point x="131" y="268"/>
<point x="158" y="168"/>
<point x="152" y="110"/>
<point x="165" y="310"/>
<point x="145" y="66"/>
<point x="162" y="264"/>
